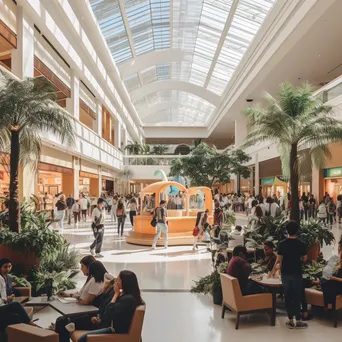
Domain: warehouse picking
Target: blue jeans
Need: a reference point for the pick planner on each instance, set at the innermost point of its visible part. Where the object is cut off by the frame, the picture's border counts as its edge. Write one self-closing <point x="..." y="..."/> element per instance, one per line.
<point x="104" y="331"/>
<point x="293" y="284"/>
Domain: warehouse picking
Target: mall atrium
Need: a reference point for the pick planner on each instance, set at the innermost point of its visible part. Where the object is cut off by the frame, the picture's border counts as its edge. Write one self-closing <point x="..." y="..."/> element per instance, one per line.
<point x="195" y="114"/>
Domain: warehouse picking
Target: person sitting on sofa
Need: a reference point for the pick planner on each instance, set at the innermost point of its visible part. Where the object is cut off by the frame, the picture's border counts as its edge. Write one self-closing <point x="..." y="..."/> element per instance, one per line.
<point x="64" y="325"/>
<point x="119" y="312"/>
<point x="240" y="269"/>
<point x="270" y="256"/>
<point x="94" y="283"/>
<point x="5" y="270"/>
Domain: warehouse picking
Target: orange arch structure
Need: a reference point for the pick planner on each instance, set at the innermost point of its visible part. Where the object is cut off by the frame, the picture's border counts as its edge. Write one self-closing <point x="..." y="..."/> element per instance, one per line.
<point x="181" y="222"/>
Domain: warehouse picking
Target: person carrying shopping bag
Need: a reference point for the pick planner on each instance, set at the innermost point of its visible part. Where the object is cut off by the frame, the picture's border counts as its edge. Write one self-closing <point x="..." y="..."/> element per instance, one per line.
<point x="201" y="225"/>
<point x="98" y="218"/>
<point x="161" y="217"/>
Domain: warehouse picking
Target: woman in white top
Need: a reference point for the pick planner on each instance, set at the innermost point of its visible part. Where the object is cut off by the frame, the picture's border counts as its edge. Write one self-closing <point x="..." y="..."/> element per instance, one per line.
<point x="132" y="206"/>
<point x="322" y="212"/>
<point x="114" y="207"/>
<point x="94" y="284"/>
<point x="236" y="237"/>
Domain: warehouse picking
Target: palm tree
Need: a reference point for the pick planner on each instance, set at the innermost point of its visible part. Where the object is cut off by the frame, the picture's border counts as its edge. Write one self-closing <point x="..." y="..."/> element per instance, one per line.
<point x="159" y="149"/>
<point x="126" y="174"/>
<point x="27" y="108"/>
<point x="301" y="126"/>
<point x="133" y="147"/>
<point x="146" y="149"/>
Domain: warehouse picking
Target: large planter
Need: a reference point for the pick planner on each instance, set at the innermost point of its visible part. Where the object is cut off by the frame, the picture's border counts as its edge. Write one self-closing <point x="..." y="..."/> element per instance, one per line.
<point x="22" y="261"/>
<point x="313" y="252"/>
<point x="217" y="294"/>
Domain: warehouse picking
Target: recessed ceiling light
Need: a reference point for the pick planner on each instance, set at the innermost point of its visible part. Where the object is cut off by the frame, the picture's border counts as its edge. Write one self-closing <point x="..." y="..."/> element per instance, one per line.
<point x="319" y="55"/>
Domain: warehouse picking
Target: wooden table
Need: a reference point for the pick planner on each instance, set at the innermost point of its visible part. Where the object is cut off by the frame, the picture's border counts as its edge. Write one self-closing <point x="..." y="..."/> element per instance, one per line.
<point x="21" y="299"/>
<point x="70" y="309"/>
<point x="273" y="285"/>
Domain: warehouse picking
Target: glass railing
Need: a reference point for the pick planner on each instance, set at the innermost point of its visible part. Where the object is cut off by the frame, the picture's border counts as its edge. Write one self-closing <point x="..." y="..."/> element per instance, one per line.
<point x="330" y="91"/>
<point x="150" y="160"/>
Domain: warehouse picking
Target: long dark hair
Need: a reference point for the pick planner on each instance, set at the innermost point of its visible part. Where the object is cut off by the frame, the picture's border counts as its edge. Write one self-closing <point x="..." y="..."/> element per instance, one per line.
<point x="130" y="285"/>
<point x="87" y="261"/>
<point x="97" y="271"/>
<point x="120" y="205"/>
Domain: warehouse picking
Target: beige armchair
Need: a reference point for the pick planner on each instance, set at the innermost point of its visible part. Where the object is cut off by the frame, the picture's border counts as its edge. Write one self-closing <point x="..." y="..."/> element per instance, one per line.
<point x="236" y="302"/>
<point x="134" y="334"/>
<point x="315" y="297"/>
<point x="28" y="333"/>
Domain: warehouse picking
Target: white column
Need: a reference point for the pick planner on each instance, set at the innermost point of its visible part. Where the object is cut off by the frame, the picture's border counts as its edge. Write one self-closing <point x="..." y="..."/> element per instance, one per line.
<point x="257" y="180"/>
<point x="98" y="122"/>
<point x="240" y="130"/>
<point x="124" y="140"/>
<point x="117" y="136"/>
<point x="315" y="183"/>
<point x="100" y="180"/>
<point x="73" y="104"/>
<point x="76" y="167"/>
<point x="29" y="182"/>
<point x="23" y="56"/>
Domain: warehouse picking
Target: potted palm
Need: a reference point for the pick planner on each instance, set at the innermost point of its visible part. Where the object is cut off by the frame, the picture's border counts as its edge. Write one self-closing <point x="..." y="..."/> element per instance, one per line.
<point x="27" y="108"/>
<point x="301" y="126"/>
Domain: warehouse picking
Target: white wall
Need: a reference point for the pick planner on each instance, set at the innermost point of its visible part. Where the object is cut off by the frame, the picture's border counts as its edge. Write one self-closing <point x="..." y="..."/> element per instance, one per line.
<point x="8" y="12"/>
<point x="147" y="171"/>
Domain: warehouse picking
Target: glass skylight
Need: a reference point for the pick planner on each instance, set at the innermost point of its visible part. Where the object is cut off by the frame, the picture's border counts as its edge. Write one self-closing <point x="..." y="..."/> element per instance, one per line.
<point x="193" y="26"/>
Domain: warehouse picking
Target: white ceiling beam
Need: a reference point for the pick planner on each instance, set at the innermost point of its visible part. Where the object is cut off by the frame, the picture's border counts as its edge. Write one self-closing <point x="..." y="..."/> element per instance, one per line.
<point x="129" y="32"/>
<point x="225" y="31"/>
<point x="155" y="87"/>
<point x="171" y="32"/>
<point x="144" y="61"/>
<point x="146" y="112"/>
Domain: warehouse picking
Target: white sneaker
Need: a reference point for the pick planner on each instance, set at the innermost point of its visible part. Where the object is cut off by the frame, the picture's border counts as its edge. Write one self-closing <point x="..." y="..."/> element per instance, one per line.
<point x="70" y="327"/>
<point x="98" y="255"/>
<point x="92" y="251"/>
<point x="153" y="247"/>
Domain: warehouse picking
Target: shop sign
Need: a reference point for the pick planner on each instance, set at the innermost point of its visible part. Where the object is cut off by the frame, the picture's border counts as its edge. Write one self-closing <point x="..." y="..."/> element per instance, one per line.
<point x="333" y="172"/>
<point x="267" y="181"/>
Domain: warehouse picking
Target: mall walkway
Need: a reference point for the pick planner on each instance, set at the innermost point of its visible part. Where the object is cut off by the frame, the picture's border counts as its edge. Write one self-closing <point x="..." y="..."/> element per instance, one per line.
<point x="173" y="313"/>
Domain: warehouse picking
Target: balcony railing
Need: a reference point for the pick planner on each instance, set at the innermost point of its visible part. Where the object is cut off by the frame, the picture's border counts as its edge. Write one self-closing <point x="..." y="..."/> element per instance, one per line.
<point x="330" y="91"/>
<point x="151" y="159"/>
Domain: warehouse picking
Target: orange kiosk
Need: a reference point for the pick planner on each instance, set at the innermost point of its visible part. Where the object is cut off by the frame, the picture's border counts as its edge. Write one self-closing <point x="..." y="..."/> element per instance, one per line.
<point x="181" y="222"/>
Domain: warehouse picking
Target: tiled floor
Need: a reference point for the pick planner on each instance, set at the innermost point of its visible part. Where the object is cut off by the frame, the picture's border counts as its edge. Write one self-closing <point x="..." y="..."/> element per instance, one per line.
<point x="179" y="315"/>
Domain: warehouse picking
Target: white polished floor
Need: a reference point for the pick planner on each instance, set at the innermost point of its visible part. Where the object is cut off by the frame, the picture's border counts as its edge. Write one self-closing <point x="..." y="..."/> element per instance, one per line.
<point x="173" y="313"/>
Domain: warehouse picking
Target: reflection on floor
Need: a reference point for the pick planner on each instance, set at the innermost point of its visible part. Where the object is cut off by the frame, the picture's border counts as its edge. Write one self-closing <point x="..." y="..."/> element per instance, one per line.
<point x="174" y="314"/>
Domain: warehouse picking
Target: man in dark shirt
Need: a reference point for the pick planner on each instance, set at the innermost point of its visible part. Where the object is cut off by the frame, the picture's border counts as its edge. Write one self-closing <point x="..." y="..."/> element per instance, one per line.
<point x="312" y="206"/>
<point x="240" y="269"/>
<point x="69" y="202"/>
<point x="291" y="253"/>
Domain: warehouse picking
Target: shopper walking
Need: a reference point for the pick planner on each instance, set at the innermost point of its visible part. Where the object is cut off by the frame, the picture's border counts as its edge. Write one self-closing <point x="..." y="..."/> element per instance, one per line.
<point x="60" y="213"/>
<point x="114" y="207"/>
<point x="69" y="202"/>
<point x="291" y="253"/>
<point x="76" y="211"/>
<point x="121" y="215"/>
<point x="201" y="224"/>
<point x="132" y="206"/>
<point x="322" y="212"/>
<point x="98" y="219"/>
<point x="161" y="217"/>
<point x="84" y="207"/>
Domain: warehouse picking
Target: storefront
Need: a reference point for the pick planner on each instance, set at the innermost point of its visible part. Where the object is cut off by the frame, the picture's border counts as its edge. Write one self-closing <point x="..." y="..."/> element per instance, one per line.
<point x="89" y="184"/>
<point x="273" y="186"/>
<point x="53" y="180"/>
<point x="333" y="181"/>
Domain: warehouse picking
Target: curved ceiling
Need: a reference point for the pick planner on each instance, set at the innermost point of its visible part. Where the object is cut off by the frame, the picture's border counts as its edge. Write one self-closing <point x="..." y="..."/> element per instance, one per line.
<point x="189" y="46"/>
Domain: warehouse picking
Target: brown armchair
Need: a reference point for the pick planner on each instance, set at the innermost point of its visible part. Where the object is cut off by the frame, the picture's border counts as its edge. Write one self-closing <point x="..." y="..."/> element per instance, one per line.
<point x="315" y="297"/>
<point x="24" y="291"/>
<point x="134" y="334"/>
<point x="28" y="333"/>
<point x="236" y="302"/>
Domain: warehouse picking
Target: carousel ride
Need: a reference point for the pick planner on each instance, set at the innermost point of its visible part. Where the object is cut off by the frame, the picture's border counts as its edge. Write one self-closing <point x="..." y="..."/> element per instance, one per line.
<point x="181" y="218"/>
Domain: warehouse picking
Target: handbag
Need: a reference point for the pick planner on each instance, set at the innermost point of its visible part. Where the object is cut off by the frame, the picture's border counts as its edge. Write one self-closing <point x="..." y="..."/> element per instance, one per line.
<point x="195" y="231"/>
<point x="154" y="222"/>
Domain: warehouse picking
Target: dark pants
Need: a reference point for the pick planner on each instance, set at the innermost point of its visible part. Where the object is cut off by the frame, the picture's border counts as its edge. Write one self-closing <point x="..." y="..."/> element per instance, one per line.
<point x="77" y="216"/>
<point x="84" y="215"/>
<point x="98" y="235"/>
<point x="331" y="289"/>
<point x="131" y="216"/>
<point x="121" y="223"/>
<point x="293" y="284"/>
<point x="12" y="313"/>
<point x="81" y="323"/>
<point x="253" y="288"/>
